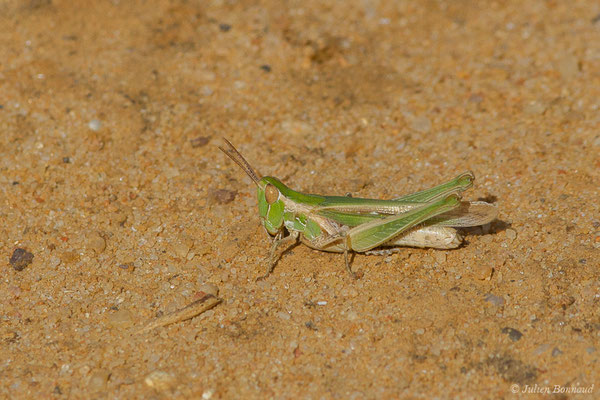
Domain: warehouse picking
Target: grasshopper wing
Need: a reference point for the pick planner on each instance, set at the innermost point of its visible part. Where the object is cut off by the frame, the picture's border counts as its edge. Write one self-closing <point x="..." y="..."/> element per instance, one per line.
<point x="469" y="213"/>
<point x="374" y="233"/>
<point x="457" y="185"/>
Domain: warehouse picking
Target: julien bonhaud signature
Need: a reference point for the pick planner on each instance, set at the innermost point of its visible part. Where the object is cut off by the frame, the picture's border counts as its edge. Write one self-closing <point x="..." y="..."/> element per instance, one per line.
<point x="552" y="389"/>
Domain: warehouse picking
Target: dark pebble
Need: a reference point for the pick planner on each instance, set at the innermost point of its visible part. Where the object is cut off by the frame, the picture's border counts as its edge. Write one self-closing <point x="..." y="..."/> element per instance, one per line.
<point x="266" y="68"/>
<point x="513" y="334"/>
<point x="66" y="160"/>
<point x="310" y="325"/>
<point x="224" y="27"/>
<point x="20" y="259"/>
<point x="495" y="300"/>
<point x="223" y="196"/>
<point x="556" y="352"/>
<point x="127" y="266"/>
<point x="199" y="141"/>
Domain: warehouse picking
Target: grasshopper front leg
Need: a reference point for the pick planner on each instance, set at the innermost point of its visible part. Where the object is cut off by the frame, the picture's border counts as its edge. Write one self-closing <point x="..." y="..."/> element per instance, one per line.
<point x="277" y="240"/>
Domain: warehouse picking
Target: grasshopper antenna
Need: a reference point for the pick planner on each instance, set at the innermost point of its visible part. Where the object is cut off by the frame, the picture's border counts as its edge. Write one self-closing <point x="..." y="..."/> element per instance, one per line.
<point x="235" y="155"/>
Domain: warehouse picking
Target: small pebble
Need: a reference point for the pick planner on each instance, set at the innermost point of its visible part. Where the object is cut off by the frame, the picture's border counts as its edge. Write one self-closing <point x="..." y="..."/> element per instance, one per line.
<point x="209" y="288"/>
<point x="95" y="125"/>
<point x="20" y="259"/>
<point x="222" y="196"/>
<point x="96" y="243"/>
<point x="283" y="315"/>
<point x="69" y="257"/>
<point x="224" y="27"/>
<point x="160" y="380"/>
<point x="485" y="239"/>
<point x="266" y="67"/>
<point x="200" y="141"/>
<point x="483" y="272"/>
<point x="534" y="107"/>
<point x="352" y="315"/>
<point x="15" y="291"/>
<point x="511" y="234"/>
<point x="181" y="248"/>
<point x="54" y="262"/>
<point x="499" y="277"/>
<point x="128" y="266"/>
<point x="440" y="257"/>
<point x="556" y="352"/>
<point x="120" y="319"/>
<point x="98" y="380"/>
<point x="541" y="349"/>
<point x="118" y="218"/>
<point x="495" y="300"/>
<point x="513" y="334"/>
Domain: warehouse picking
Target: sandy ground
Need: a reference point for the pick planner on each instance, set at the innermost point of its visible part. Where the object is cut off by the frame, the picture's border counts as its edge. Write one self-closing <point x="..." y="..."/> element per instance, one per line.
<point x="117" y="207"/>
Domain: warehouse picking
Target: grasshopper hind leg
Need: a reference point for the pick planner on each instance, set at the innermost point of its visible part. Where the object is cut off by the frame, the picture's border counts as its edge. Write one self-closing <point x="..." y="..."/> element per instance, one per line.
<point x="336" y="243"/>
<point x="348" y="259"/>
<point x="348" y="267"/>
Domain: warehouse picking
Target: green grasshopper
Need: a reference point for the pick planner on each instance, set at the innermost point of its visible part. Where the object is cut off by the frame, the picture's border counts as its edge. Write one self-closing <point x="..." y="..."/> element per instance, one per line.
<point x="341" y="223"/>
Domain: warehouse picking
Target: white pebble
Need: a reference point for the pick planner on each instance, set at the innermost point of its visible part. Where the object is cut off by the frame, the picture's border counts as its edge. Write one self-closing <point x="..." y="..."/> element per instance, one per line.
<point x="95" y="125"/>
<point x="283" y="315"/>
<point x="511" y="234"/>
<point x="209" y="288"/>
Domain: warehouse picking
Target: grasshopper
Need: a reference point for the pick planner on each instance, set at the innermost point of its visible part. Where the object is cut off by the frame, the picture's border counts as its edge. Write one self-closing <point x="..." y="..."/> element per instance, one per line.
<point x="342" y="224"/>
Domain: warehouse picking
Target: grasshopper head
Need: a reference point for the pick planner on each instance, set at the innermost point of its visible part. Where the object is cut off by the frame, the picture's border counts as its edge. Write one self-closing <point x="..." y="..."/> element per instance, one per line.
<point x="270" y="202"/>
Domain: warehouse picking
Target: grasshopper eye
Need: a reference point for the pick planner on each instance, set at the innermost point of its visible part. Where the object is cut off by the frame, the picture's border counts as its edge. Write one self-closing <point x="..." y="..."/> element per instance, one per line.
<point x="271" y="194"/>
